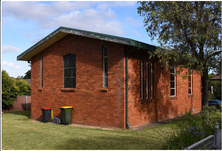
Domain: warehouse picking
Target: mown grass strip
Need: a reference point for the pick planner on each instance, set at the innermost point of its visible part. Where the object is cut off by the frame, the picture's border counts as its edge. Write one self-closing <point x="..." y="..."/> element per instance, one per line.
<point x="19" y="133"/>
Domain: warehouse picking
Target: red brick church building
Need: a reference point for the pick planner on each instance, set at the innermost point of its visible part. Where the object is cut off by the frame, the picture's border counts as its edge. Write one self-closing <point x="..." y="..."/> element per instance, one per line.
<point x="110" y="81"/>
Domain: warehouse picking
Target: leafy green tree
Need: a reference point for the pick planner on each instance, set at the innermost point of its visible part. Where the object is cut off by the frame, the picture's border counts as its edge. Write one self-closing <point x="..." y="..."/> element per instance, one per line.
<point x="211" y="75"/>
<point x="24" y="87"/>
<point x="20" y="77"/>
<point x="189" y="34"/>
<point x="217" y="69"/>
<point x="9" y="90"/>
<point x="27" y="75"/>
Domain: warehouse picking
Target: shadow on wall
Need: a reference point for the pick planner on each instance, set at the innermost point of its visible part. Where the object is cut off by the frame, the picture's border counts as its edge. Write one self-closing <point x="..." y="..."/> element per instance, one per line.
<point x="161" y="106"/>
<point x="39" y="118"/>
<point x="24" y="106"/>
<point x="164" y="105"/>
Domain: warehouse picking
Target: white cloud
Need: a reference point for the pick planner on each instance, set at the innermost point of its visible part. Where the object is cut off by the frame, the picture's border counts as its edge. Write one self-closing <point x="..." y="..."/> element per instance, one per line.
<point x="89" y="19"/>
<point x="133" y="22"/>
<point x="9" y="48"/>
<point x="78" y="15"/>
<point x="37" y="10"/>
<point x="11" y="65"/>
<point x="105" y="5"/>
<point x="34" y="36"/>
<point x="123" y="3"/>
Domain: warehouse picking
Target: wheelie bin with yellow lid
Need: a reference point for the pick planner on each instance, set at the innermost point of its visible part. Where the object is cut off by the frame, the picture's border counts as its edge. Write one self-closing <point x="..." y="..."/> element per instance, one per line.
<point x="66" y="114"/>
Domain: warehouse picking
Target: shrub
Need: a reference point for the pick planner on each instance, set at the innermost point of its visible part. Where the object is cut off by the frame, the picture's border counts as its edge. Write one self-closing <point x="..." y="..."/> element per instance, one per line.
<point x="193" y="129"/>
<point x="9" y="90"/>
<point x="24" y="87"/>
<point x="210" y="109"/>
<point x="27" y="75"/>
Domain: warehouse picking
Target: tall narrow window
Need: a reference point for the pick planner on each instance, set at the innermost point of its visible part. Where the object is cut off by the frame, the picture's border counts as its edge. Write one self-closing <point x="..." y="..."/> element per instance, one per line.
<point x="147" y="80"/>
<point x="105" y="68"/>
<point x="41" y="59"/>
<point x="69" y="71"/>
<point x="141" y="79"/>
<point x="151" y="77"/>
<point x="190" y="82"/>
<point x="172" y="82"/>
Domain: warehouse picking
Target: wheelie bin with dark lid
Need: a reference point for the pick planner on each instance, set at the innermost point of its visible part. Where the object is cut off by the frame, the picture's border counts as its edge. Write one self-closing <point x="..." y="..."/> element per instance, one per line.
<point x="46" y="114"/>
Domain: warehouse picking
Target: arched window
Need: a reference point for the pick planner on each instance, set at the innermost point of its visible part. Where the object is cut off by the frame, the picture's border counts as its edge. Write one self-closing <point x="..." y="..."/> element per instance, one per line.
<point x="69" y="71"/>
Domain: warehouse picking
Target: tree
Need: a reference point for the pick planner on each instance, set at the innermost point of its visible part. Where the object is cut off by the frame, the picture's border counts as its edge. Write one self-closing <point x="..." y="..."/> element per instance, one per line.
<point x="189" y="34"/>
<point x="217" y="69"/>
<point x="211" y="75"/>
<point x="24" y="87"/>
<point x="27" y="75"/>
<point x="9" y="90"/>
<point x="20" y="77"/>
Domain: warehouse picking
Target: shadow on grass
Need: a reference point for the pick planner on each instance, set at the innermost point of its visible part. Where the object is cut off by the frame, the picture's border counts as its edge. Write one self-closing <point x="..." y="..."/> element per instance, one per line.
<point x="23" y="113"/>
<point x="111" y="143"/>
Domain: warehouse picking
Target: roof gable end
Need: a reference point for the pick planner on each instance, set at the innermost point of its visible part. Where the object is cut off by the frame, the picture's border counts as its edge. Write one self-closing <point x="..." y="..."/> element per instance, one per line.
<point x="63" y="31"/>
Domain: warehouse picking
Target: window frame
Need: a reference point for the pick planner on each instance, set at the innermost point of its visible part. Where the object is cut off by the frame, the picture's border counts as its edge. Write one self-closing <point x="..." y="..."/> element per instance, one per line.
<point x="64" y="68"/>
<point x="174" y="68"/>
<point x="41" y="71"/>
<point x="151" y="80"/>
<point x="191" y="81"/>
<point x="141" y="79"/>
<point x="105" y="59"/>
<point x="147" y="78"/>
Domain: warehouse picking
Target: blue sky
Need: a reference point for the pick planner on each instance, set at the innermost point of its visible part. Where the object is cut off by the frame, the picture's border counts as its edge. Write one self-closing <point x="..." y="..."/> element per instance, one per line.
<point x="26" y="22"/>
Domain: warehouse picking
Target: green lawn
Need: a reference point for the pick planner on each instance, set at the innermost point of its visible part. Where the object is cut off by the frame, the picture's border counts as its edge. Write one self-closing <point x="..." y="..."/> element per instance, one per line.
<point x="20" y="133"/>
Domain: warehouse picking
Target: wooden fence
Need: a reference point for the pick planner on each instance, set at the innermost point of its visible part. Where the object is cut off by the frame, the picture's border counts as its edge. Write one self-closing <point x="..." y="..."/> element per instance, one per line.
<point x="23" y="103"/>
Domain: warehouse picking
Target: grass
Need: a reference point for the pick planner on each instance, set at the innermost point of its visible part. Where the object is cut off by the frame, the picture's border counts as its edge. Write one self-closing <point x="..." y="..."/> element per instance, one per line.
<point x="20" y="133"/>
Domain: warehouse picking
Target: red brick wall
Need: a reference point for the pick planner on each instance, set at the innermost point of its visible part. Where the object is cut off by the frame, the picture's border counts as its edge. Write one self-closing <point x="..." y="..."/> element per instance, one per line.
<point x="162" y="106"/>
<point x="91" y="105"/>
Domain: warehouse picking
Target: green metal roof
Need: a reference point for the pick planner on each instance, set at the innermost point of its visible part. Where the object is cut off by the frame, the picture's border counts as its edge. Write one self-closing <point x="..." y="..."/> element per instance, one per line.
<point x="63" y="31"/>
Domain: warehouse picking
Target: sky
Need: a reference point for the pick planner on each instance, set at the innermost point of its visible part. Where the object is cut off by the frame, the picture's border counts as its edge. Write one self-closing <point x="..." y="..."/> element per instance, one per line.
<point x="24" y="23"/>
